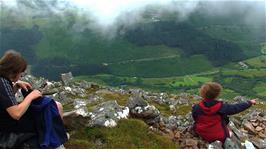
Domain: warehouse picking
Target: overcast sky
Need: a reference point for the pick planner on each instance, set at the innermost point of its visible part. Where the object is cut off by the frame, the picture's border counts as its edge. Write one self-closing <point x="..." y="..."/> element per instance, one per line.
<point x="106" y="12"/>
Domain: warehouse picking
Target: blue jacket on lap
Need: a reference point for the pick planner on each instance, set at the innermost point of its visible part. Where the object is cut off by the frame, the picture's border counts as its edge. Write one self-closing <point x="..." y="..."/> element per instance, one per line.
<point x="49" y="125"/>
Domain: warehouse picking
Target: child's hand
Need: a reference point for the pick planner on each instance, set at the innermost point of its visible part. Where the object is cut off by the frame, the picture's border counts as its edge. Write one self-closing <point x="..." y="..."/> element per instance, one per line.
<point x="35" y="94"/>
<point x="253" y="101"/>
<point x="24" y="85"/>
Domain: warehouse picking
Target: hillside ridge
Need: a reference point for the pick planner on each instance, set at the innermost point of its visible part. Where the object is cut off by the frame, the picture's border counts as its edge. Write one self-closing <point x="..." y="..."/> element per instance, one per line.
<point x="96" y="110"/>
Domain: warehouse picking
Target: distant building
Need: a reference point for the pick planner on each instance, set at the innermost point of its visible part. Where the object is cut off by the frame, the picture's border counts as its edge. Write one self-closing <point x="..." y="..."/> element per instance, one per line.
<point x="105" y="64"/>
<point x="243" y="65"/>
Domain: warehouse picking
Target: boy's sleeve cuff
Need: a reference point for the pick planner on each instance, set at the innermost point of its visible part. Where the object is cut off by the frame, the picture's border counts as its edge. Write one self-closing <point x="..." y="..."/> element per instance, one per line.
<point x="250" y="103"/>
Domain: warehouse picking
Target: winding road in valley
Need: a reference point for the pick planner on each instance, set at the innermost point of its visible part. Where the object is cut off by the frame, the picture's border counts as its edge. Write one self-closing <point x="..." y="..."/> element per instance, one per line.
<point x="144" y="59"/>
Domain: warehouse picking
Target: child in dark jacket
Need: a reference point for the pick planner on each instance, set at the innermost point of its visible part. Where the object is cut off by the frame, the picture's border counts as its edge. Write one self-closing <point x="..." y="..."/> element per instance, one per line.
<point x="210" y="114"/>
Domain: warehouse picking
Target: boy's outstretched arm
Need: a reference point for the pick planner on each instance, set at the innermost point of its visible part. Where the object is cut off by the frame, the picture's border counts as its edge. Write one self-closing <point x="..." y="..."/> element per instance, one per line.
<point x="230" y="109"/>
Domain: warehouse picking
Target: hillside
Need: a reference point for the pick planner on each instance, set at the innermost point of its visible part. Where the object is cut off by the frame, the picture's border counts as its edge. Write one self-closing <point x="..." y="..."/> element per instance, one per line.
<point x="161" y="51"/>
<point x="106" y="117"/>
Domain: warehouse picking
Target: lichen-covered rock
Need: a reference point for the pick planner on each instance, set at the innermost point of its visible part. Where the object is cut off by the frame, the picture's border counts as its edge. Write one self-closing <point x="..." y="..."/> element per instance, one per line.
<point x="231" y="144"/>
<point x="107" y="114"/>
<point x="215" y="145"/>
<point x="67" y="78"/>
<point x="136" y="101"/>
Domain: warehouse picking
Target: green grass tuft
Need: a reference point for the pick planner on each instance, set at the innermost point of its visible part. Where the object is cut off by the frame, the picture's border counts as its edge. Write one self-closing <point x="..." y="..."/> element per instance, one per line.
<point x="129" y="134"/>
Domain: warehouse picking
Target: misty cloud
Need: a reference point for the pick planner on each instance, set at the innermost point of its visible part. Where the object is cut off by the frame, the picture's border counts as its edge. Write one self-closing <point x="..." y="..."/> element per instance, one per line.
<point x="109" y="13"/>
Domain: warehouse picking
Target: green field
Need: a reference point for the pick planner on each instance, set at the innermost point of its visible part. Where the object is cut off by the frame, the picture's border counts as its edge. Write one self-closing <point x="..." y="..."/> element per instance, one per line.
<point x="260" y="61"/>
<point x="163" y="68"/>
<point x="246" y="72"/>
<point x="190" y="81"/>
<point x="257" y="62"/>
<point x="165" y="56"/>
<point x="260" y="89"/>
<point x="250" y="83"/>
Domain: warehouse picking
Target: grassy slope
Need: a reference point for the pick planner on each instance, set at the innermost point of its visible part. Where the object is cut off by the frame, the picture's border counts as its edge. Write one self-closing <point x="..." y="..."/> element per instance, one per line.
<point x="242" y="36"/>
<point x="253" y="78"/>
<point x="128" y="134"/>
<point x="59" y="41"/>
<point x="91" y="52"/>
<point x="234" y="29"/>
<point x="260" y="89"/>
<point x="257" y="62"/>
<point x="260" y="61"/>
<point x="245" y="73"/>
<point x="162" y="68"/>
<point x="90" y="47"/>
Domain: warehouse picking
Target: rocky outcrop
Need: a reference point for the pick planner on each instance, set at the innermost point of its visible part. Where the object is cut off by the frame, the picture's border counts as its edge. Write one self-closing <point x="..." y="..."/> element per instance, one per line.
<point x="88" y="105"/>
<point x="107" y="114"/>
<point x="139" y="108"/>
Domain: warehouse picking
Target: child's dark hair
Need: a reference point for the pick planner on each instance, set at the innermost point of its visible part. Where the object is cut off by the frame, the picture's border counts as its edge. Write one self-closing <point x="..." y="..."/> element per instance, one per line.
<point x="210" y="90"/>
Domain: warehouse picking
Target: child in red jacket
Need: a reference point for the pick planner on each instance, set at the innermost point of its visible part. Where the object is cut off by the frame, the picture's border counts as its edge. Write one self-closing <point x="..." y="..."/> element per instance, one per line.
<point x="210" y="114"/>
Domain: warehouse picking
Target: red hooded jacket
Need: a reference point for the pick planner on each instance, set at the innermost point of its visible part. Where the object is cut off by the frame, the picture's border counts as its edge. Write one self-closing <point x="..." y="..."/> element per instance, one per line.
<point x="211" y="119"/>
<point x="210" y="124"/>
